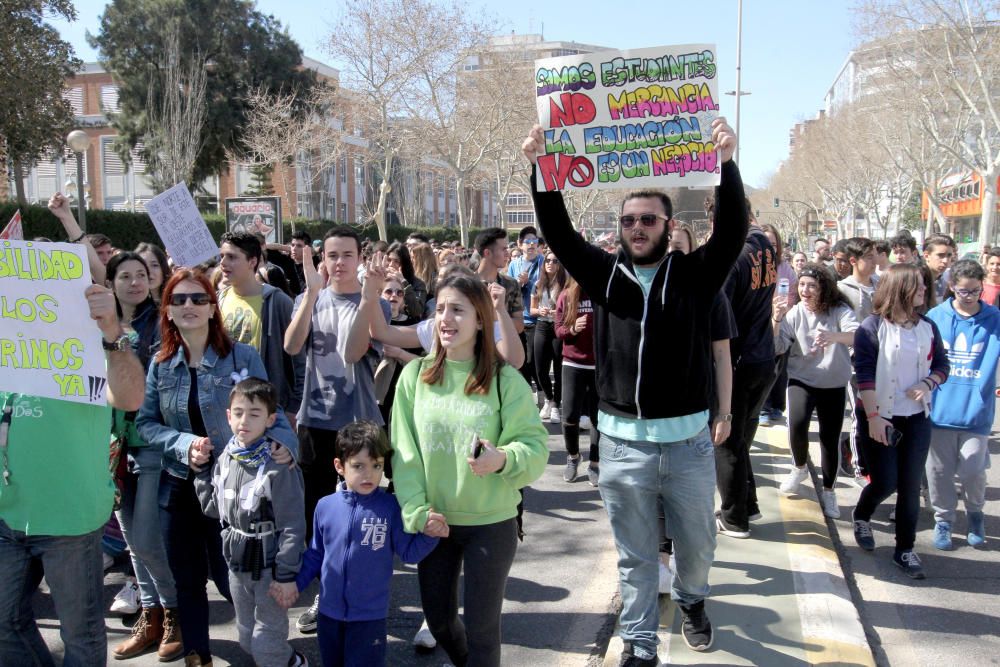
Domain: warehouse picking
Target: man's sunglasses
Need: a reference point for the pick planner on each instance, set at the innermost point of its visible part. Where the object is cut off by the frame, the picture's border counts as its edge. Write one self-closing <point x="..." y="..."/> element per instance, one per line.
<point x="647" y="220"/>
<point x="197" y="298"/>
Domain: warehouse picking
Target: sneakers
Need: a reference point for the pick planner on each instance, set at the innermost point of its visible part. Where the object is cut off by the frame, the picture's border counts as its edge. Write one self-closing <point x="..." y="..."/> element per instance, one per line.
<point x="753" y="513"/>
<point x="424" y="640"/>
<point x="569" y="472"/>
<point x="298" y="660"/>
<point x="942" y="536"/>
<point x="629" y="659"/>
<point x="860" y="481"/>
<point x="765" y="418"/>
<point x="593" y="475"/>
<point x="546" y="412"/>
<point x="307" y="621"/>
<point x="908" y="562"/>
<point x="731" y="531"/>
<point x="696" y="628"/>
<point x="794" y="479"/>
<point x="830" y="506"/>
<point x="127" y="599"/>
<point x="666" y="578"/>
<point x="977" y="532"/>
<point x="863" y="535"/>
<point x="108" y="561"/>
<point x="892" y="514"/>
<point x="555" y="416"/>
<point x="585" y="424"/>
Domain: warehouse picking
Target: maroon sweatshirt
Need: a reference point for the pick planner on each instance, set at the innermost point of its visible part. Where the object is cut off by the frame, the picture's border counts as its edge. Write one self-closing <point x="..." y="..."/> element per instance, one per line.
<point x="577" y="348"/>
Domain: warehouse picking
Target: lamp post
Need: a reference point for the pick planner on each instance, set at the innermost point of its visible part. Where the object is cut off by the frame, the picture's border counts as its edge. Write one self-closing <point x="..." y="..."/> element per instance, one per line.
<point x="78" y="142"/>
<point x="739" y="74"/>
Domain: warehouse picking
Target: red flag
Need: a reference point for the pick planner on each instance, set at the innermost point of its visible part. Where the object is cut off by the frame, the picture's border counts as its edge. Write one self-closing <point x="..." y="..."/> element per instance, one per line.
<point x="13" y="230"/>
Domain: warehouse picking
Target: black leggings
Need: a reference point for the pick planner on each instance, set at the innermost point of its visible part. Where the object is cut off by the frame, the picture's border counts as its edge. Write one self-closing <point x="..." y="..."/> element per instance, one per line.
<point x="548" y="354"/>
<point x="829" y="407"/>
<point x="581" y="398"/>
<point x="487" y="553"/>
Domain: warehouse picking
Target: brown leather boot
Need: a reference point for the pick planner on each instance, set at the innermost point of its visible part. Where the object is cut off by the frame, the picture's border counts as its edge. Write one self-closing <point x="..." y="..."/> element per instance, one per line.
<point x="146" y="632"/>
<point x="192" y="659"/>
<point x="171" y="646"/>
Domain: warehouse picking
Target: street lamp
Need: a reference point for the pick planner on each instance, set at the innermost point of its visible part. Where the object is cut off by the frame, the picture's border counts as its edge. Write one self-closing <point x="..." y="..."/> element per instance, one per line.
<point x="78" y="142"/>
<point x="739" y="73"/>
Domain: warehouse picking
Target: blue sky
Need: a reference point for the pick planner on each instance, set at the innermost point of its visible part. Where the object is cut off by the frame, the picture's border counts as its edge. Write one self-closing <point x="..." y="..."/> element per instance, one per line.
<point x="792" y="49"/>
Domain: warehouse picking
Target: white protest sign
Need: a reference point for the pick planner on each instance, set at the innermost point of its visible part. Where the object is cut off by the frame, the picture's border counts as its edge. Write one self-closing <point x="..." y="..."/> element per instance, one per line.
<point x="49" y="345"/>
<point x="175" y="215"/>
<point x="628" y="119"/>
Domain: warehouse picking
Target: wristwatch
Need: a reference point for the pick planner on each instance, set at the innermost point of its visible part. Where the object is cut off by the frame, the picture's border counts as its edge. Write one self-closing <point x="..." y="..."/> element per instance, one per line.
<point x="119" y="344"/>
<point x="726" y="417"/>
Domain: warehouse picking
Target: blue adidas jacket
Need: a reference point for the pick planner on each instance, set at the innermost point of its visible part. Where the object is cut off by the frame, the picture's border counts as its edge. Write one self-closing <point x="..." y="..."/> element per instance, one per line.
<point x="966" y="402"/>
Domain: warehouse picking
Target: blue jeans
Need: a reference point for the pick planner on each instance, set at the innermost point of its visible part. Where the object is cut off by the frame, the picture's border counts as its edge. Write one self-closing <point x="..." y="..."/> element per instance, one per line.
<point x="75" y="576"/>
<point x="140" y="521"/>
<point x="633" y="476"/>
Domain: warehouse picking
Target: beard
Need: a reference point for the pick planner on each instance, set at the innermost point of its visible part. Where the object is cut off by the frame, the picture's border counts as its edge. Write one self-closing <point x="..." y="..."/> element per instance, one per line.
<point x="656" y="251"/>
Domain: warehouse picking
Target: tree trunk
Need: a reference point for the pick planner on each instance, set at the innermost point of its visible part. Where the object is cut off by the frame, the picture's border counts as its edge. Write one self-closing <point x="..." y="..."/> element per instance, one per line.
<point x="989" y="207"/>
<point x="383" y="195"/>
<point x="22" y="201"/>
<point x="463" y="223"/>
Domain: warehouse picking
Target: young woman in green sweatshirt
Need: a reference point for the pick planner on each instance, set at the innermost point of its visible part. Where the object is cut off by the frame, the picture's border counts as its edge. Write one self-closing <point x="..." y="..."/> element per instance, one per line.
<point x="466" y="436"/>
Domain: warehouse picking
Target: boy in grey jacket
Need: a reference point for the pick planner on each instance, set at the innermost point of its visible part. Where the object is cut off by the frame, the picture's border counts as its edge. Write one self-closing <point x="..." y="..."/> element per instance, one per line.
<point x="261" y="506"/>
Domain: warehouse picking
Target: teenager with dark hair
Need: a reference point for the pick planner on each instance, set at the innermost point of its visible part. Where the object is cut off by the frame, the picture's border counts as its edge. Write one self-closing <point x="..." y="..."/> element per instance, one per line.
<point x="773" y="409"/>
<point x="991" y="283"/>
<point x="818" y="331"/>
<point x="415" y="290"/>
<point x="526" y="271"/>
<point x="548" y="346"/>
<point x="158" y="266"/>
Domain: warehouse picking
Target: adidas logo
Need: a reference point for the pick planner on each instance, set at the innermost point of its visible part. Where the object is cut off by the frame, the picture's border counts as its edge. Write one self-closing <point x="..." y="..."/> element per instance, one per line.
<point x="961" y="353"/>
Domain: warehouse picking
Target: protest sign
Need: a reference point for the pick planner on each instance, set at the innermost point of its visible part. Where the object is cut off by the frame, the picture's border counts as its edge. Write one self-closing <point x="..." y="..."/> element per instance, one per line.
<point x="13" y="230"/>
<point x="178" y="222"/>
<point x="49" y="345"/>
<point x="255" y="214"/>
<point x="628" y="119"/>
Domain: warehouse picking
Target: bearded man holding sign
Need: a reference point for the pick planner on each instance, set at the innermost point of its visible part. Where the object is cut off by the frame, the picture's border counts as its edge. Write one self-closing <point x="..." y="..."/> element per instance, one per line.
<point x="654" y="369"/>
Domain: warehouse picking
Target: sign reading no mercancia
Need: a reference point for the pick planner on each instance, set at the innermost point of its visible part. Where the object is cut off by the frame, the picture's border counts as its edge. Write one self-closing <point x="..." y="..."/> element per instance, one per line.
<point x="628" y="119"/>
<point x="49" y="345"/>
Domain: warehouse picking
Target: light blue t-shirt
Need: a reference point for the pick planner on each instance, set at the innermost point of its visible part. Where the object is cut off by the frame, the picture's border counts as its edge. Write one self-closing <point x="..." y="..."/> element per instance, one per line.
<point x="668" y="429"/>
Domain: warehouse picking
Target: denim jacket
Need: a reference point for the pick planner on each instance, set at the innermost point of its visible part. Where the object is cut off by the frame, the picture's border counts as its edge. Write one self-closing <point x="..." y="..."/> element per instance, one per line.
<point x="163" y="420"/>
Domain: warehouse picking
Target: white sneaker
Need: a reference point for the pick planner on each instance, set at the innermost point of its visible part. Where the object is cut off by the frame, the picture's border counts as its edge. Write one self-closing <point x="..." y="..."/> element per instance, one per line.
<point x="666" y="578"/>
<point x="585" y="423"/>
<point x="127" y="599"/>
<point x="424" y="639"/>
<point x="555" y="416"/>
<point x="108" y="561"/>
<point x="546" y="412"/>
<point x="830" y="506"/>
<point x="795" y="477"/>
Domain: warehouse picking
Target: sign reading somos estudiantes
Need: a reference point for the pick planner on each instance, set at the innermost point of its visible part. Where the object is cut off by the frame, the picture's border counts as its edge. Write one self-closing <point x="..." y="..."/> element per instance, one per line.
<point x="255" y="214"/>
<point x="628" y="119"/>
<point x="49" y="346"/>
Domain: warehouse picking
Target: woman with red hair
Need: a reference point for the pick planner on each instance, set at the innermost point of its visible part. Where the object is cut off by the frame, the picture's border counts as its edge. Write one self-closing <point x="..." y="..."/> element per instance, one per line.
<point x="184" y="414"/>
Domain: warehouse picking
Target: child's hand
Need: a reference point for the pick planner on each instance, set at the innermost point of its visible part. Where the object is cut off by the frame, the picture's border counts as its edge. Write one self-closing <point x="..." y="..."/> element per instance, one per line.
<point x="285" y="594"/>
<point x="437" y="525"/>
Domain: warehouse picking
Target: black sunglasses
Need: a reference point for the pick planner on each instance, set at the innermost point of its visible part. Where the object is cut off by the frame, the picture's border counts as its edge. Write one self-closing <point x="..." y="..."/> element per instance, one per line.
<point x="647" y="220"/>
<point x="197" y="298"/>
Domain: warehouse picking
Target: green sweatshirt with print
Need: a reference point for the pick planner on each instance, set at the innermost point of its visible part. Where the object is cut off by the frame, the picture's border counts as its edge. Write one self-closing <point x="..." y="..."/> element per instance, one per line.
<point x="432" y="428"/>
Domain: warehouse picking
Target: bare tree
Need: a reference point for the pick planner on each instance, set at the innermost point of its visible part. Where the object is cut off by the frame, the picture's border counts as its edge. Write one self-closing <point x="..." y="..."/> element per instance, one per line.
<point x="946" y="56"/>
<point x="177" y="112"/>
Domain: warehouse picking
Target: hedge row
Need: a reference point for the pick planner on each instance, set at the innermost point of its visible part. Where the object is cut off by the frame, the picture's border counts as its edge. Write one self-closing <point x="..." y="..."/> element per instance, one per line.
<point x="127" y="230"/>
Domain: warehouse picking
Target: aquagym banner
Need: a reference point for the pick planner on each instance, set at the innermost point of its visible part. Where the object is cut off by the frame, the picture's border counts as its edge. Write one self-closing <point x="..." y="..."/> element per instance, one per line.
<point x="629" y="119"/>
<point x="49" y="345"/>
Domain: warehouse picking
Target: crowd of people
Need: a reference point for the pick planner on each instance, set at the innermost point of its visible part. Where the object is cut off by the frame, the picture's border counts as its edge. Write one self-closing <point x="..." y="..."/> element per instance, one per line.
<point x="311" y="410"/>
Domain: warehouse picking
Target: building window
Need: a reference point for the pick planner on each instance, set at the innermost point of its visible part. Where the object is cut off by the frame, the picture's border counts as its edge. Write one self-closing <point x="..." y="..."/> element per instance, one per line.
<point x="517" y="199"/>
<point x="343" y="213"/>
<point x="359" y="174"/>
<point x="441" y="188"/>
<point x="109" y="99"/>
<point x="75" y="98"/>
<point x="521" y="217"/>
<point x="343" y="170"/>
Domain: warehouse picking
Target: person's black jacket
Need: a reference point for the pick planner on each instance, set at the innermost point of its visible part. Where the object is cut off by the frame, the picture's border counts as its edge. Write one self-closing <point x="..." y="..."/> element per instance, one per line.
<point x="750" y="289"/>
<point x="653" y="354"/>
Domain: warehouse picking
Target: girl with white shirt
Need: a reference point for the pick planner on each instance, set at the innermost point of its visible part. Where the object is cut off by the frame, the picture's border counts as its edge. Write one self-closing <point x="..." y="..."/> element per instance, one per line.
<point x="900" y="360"/>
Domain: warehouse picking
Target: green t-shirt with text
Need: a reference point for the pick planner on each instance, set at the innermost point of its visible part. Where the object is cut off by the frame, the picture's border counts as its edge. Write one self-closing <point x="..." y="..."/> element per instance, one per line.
<point x="57" y="454"/>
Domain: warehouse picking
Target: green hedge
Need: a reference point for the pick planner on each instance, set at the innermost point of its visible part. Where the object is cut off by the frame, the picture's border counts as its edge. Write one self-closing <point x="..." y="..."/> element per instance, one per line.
<point x="127" y="230"/>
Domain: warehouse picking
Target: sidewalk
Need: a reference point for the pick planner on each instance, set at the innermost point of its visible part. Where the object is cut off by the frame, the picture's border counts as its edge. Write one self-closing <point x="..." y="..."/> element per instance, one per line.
<point x="778" y="598"/>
